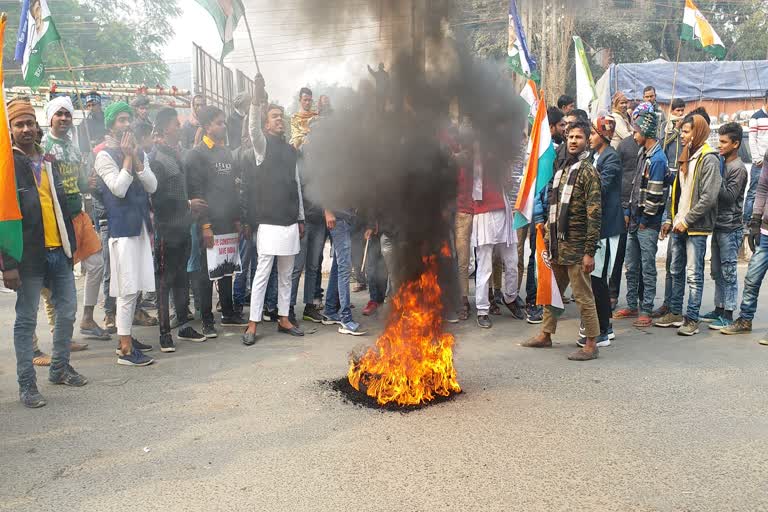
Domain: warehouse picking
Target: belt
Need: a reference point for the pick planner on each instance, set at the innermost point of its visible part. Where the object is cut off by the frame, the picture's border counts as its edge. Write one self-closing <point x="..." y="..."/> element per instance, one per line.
<point x="53" y="249"/>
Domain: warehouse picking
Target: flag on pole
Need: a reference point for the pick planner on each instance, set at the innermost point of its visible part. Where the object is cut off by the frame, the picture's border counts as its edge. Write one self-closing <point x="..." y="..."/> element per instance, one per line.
<point x="585" y="84"/>
<point x="11" y="241"/>
<point x="547" y="293"/>
<point x="696" y="28"/>
<point x="36" y="32"/>
<point x="540" y="168"/>
<point x="226" y="14"/>
<point x="519" y="58"/>
<point x="529" y="96"/>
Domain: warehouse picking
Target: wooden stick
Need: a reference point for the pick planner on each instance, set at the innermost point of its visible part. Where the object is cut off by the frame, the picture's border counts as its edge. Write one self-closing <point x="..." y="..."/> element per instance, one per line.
<point x="77" y="95"/>
<point x="253" y="47"/>
<point x="365" y="255"/>
<point x="674" y="78"/>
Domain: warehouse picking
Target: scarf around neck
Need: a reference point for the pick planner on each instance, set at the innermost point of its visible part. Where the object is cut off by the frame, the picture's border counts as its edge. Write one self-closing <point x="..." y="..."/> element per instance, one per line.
<point x="700" y="136"/>
<point x="558" y="222"/>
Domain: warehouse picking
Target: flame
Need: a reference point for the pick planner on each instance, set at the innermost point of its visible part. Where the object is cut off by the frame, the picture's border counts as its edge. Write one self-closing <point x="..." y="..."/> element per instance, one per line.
<point x="412" y="362"/>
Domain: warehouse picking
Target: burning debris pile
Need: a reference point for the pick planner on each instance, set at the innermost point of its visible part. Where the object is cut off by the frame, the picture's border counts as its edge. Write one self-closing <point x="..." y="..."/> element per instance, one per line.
<point x="412" y="361"/>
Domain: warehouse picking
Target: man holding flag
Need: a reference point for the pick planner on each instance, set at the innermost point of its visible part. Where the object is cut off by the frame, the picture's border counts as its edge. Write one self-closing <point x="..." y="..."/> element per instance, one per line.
<point x="572" y="238"/>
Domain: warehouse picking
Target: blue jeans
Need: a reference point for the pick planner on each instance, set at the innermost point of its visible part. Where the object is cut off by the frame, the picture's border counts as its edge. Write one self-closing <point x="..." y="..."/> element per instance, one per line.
<point x="240" y="282"/>
<point x="58" y="278"/>
<point x="308" y="261"/>
<point x="337" y="300"/>
<point x="749" y="203"/>
<point x="758" y="266"/>
<point x="687" y="264"/>
<point x="640" y="260"/>
<point x="110" y="303"/>
<point x="725" y="255"/>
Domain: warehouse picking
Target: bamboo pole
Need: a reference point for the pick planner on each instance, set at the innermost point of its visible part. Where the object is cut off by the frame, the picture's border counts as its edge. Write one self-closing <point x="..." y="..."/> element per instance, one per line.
<point x="674" y="78"/>
<point x="250" y="38"/>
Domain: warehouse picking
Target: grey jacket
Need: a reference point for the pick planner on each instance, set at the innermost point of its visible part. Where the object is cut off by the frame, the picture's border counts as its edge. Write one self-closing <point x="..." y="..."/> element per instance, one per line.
<point x="700" y="219"/>
<point x="731" y="197"/>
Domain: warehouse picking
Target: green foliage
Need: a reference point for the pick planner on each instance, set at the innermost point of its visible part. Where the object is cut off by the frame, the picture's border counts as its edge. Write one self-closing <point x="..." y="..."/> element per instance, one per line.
<point x="103" y="32"/>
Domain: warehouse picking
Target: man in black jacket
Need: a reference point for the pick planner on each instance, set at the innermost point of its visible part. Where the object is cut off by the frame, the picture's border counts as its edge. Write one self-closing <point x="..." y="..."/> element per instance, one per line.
<point x="628" y="152"/>
<point x="172" y="223"/>
<point x="213" y="175"/>
<point x="49" y="243"/>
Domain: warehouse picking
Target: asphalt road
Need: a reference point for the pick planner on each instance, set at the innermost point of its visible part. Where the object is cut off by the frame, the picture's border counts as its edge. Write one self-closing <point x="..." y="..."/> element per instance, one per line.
<point x="658" y="423"/>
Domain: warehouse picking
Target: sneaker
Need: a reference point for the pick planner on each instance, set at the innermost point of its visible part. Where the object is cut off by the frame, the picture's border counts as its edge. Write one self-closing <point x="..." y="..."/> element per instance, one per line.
<point x="710" y="317"/>
<point x="740" y="326"/>
<point x="96" y="333"/>
<point x="670" y="320"/>
<point x="178" y="322"/>
<point x="331" y="320"/>
<point x="484" y="321"/>
<point x="166" y="343"/>
<point x="68" y="377"/>
<point x="137" y="345"/>
<point x="234" y="320"/>
<point x="720" y="323"/>
<point x="370" y="308"/>
<point x="689" y="328"/>
<point x="30" y="396"/>
<point x="209" y="331"/>
<point x="516" y="309"/>
<point x="602" y="341"/>
<point x="660" y="311"/>
<point x="763" y="340"/>
<point x="352" y="328"/>
<point x="135" y="358"/>
<point x="110" y="324"/>
<point x="311" y="314"/>
<point x="534" y="314"/>
<point x="189" y="334"/>
<point x="625" y="313"/>
<point x="611" y="335"/>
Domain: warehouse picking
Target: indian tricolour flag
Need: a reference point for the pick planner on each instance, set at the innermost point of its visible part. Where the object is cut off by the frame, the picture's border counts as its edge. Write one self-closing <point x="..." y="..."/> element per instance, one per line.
<point x="519" y="58"/>
<point x="540" y="168"/>
<point x="226" y="14"/>
<point x="696" y="28"/>
<point x="11" y="242"/>
<point x="531" y="99"/>
<point x="36" y="31"/>
<point x="547" y="292"/>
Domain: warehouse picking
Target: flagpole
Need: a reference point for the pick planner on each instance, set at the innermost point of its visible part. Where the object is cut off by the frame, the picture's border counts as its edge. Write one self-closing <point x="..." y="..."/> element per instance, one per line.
<point x="674" y="78"/>
<point x="77" y="93"/>
<point x="250" y="38"/>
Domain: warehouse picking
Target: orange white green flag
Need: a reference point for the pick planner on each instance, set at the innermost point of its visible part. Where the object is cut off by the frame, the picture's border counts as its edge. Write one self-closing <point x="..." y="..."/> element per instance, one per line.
<point x="10" y="214"/>
<point x="696" y="28"/>
<point x="548" y="293"/>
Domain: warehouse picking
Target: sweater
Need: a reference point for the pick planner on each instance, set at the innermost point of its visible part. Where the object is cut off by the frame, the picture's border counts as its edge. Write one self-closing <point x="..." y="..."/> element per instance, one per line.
<point x="169" y="202"/>
<point x="646" y="201"/>
<point x="213" y="175"/>
<point x="758" y="135"/>
<point x="730" y="200"/>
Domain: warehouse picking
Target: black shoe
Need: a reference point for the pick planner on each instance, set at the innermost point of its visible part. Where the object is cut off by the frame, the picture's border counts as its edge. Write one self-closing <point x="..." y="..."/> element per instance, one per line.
<point x="137" y="345"/>
<point x="238" y="309"/>
<point x="166" y="343"/>
<point x="209" y="331"/>
<point x="176" y="322"/>
<point x="293" y="331"/>
<point x="189" y="334"/>
<point x="68" y="377"/>
<point x="270" y="316"/>
<point x="518" y="311"/>
<point x="250" y="339"/>
<point x="234" y="320"/>
<point x="484" y="321"/>
<point x="30" y="396"/>
<point x="311" y="314"/>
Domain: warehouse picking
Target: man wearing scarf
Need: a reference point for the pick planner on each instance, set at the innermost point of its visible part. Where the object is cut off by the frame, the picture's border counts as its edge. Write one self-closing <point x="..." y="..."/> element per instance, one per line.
<point x="58" y="144"/>
<point x="619" y="106"/>
<point x="644" y="216"/>
<point x="126" y="182"/>
<point x="573" y="237"/>
<point x="49" y="243"/>
<point x="693" y="214"/>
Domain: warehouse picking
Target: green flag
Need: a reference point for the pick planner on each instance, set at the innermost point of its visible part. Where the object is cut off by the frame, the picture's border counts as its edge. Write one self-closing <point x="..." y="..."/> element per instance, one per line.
<point x="226" y="14"/>
<point x="36" y="32"/>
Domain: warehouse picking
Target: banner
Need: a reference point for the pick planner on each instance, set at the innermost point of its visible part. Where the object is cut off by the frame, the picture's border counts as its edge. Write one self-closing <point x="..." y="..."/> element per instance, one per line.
<point x="226" y="14"/>
<point x="585" y="84"/>
<point x="36" y="32"/>
<point x="224" y="257"/>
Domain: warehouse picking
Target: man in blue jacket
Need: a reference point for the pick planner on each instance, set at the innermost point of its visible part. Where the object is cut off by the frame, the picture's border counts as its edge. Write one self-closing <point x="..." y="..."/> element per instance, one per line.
<point x="644" y="215"/>
<point x="608" y="165"/>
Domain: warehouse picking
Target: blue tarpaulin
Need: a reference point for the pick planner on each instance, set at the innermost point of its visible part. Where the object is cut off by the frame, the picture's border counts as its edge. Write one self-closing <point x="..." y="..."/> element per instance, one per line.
<point x="721" y="80"/>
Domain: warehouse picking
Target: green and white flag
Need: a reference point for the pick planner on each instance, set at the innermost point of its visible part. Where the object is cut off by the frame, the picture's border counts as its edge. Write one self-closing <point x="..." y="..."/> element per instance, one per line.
<point x="36" y="32"/>
<point x="585" y="84"/>
<point x="226" y="14"/>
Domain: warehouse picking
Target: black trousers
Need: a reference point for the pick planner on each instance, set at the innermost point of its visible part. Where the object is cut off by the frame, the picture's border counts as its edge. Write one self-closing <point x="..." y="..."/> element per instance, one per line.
<point x="614" y="285"/>
<point x="205" y="288"/>
<point x="602" y="293"/>
<point x="170" y="278"/>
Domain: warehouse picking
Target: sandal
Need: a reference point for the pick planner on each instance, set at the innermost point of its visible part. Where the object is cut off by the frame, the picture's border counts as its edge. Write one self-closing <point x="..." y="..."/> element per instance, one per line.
<point x="464" y="312"/>
<point x="643" y="321"/>
<point x="41" y="359"/>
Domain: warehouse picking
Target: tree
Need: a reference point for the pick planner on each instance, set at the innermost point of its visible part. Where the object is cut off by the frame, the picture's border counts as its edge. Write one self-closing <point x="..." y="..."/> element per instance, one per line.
<point x="103" y="32"/>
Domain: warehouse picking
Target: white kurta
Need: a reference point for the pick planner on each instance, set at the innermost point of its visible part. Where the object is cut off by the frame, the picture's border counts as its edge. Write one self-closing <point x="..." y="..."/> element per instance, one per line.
<point x="272" y="240"/>
<point x="492" y="228"/>
<point x="131" y="266"/>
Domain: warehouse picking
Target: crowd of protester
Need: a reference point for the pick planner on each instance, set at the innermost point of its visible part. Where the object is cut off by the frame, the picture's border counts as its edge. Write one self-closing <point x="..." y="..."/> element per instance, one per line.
<point x="139" y="201"/>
